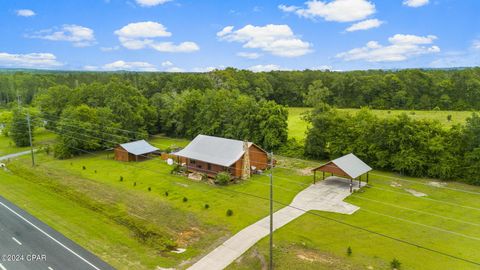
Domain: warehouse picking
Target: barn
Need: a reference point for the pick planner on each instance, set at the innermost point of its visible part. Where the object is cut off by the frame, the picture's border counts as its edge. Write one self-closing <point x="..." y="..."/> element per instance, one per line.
<point x="211" y="155"/>
<point x="134" y="151"/>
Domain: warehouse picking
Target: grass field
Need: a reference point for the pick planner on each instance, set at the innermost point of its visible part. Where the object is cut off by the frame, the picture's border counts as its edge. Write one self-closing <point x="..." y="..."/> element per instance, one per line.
<point x="79" y="203"/>
<point x="297" y="126"/>
<point x="42" y="136"/>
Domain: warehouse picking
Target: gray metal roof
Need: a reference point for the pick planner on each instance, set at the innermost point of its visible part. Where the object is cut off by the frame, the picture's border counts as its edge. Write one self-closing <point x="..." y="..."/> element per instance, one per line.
<point x="139" y="147"/>
<point x="214" y="150"/>
<point x="352" y="165"/>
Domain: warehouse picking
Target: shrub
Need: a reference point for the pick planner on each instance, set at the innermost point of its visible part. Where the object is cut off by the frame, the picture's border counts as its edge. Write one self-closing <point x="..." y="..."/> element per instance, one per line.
<point x="149" y="189"/>
<point x="95" y="171"/>
<point x="84" y="168"/>
<point x="204" y="177"/>
<point x="185" y="199"/>
<point x="292" y="148"/>
<point x="222" y="178"/>
<point x="395" y="264"/>
<point x="166" y="193"/>
<point x="121" y="178"/>
<point x="229" y="212"/>
<point x="134" y="184"/>
<point x="207" y="206"/>
<point x="178" y="169"/>
<point x="449" y="117"/>
<point x="413" y="113"/>
<point x="349" y="251"/>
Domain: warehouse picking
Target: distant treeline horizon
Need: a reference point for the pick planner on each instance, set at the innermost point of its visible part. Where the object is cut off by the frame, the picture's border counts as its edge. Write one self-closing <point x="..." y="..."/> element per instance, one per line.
<point x="421" y="89"/>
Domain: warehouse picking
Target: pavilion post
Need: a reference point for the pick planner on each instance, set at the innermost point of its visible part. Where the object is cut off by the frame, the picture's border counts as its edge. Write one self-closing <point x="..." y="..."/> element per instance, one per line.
<point x="360" y="182"/>
<point x="314" y="176"/>
<point x="367" y="177"/>
<point x="323" y="176"/>
<point x="351" y="185"/>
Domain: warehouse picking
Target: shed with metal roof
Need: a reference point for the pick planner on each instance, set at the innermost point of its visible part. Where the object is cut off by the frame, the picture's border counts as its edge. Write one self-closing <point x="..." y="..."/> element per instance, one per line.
<point x="349" y="166"/>
<point x="134" y="151"/>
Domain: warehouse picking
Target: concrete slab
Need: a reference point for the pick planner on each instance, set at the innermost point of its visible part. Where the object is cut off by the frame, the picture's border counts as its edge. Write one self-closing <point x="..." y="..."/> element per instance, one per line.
<point x="326" y="195"/>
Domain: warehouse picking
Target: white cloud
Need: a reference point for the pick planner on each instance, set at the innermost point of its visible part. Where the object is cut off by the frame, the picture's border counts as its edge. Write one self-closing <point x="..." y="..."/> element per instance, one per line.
<point x="249" y="55"/>
<point x="323" y="68"/>
<point x="140" y="35"/>
<point x="25" y="12"/>
<point x="123" y="65"/>
<point x="175" y="69"/>
<point x="151" y="3"/>
<point x="401" y="47"/>
<point x="476" y="44"/>
<point x="278" y="40"/>
<point x="167" y="64"/>
<point x="80" y="36"/>
<point x="415" y="3"/>
<point x="109" y="49"/>
<point x="336" y="10"/>
<point x="265" y="68"/>
<point x="364" y="25"/>
<point x="205" y="69"/>
<point x="30" y="60"/>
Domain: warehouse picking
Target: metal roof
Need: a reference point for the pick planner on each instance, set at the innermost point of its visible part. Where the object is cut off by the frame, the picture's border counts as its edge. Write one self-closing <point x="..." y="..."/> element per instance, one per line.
<point x="214" y="150"/>
<point x="139" y="147"/>
<point x="351" y="165"/>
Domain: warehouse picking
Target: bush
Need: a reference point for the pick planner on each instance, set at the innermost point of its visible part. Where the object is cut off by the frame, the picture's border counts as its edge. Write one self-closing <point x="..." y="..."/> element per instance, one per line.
<point x="84" y="168"/>
<point x="349" y="251"/>
<point x="178" y="169"/>
<point x="449" y="117"/>
<point x="395" y="264"/>
<point x="95" y="171"/>
<point x="149" y="189"/>
<point x="222" y="178"/>
<point x="292" y="148"/>
<point x="207" y="206"/>
<point x="185" y="199"/>
<point x="229" y="212"/>
<point x="166" y="193"/>
<point x="121" y="178"/>
<point x="134" y="184"/>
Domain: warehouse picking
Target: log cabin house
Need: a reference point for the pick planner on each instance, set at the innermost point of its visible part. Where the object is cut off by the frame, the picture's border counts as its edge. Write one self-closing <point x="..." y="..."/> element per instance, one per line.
<point x="134" y="151"/>
<point x="211" y="155"/>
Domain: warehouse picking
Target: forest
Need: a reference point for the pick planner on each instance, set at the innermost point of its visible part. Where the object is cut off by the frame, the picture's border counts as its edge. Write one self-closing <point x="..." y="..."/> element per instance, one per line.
<point x="456" y="89"/>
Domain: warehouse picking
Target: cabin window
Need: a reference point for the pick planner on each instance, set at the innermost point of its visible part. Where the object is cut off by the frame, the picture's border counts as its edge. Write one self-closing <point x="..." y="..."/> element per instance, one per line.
<point x="209" y="166"/>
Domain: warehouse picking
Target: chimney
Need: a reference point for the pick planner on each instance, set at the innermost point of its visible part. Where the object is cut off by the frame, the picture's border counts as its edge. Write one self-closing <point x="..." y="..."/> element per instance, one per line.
<point x="246" y="161"/>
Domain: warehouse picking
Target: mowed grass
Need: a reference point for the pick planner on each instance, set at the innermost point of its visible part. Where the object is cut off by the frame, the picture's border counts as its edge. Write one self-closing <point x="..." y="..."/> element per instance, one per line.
<point x="66" y="186"/>
<point x="41" y="136"/>
<point x="297" y="126"/>
<point x="447" y="220"/>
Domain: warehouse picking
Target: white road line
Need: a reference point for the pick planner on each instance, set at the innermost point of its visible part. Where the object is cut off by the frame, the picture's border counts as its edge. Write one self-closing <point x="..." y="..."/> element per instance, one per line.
<point x="49" y="236"/>
<point x="2" y="267"/>
<point x="18" y="242"/>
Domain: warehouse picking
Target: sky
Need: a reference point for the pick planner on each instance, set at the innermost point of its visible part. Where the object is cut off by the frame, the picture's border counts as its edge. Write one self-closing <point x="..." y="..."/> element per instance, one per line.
<point x="201" y="35"/>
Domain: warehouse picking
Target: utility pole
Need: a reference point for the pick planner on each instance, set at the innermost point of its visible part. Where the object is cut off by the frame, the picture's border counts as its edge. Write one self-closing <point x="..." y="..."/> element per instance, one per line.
<point x="271" y="211"/>
<point x="30" y="138"/>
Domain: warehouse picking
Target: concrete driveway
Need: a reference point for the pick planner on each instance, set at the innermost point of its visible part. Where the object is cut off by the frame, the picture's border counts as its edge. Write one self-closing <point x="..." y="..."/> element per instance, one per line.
<point x="326" y="195"/>
<point x="14" y="155"/>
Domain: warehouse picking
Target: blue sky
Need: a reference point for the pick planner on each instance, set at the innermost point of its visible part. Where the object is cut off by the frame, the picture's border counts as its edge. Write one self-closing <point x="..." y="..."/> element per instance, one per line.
<point x="194" y="35"/>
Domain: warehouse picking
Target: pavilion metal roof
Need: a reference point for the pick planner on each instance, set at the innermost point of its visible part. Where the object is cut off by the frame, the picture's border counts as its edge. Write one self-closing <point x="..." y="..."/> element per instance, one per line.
<point x="140" y="147"/>
<point x="214" y="150"/>
<point x="351" y="165"/>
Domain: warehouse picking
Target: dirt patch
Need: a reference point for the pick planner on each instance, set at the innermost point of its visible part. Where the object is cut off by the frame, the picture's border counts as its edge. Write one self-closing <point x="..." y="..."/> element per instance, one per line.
<point x="312" y="256"/>
<point x="437" y="184"/>
<point x="305" y="171"/>
<point x="395" y="184"/>
<point x="189" y="236"/>
<point x="415" y="193"/>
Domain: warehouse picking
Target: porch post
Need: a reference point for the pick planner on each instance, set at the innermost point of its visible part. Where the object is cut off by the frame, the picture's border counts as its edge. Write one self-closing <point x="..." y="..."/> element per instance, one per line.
<point x="314" y="176"/>
<point x="351" y="185"/>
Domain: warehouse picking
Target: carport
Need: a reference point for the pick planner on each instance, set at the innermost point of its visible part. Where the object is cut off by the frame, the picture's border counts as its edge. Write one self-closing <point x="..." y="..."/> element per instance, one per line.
<point x="348" y="166"/>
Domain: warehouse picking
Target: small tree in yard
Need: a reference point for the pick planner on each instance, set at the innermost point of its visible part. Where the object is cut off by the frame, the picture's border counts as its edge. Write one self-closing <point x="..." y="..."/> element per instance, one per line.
<point x="229" y="212"/>
<point x="449" y="117"/>
<point x="395" y="264"/>
<point x="222" y="178"/>
<point x="19" y="129"/>
<point x="349" y="251"/>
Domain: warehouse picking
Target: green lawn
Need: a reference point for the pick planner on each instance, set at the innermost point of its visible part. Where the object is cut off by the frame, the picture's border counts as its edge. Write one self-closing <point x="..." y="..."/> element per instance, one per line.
<point x="108" y="216"/>
<point x="297" y="126"/>
<point x="41" y="136"/>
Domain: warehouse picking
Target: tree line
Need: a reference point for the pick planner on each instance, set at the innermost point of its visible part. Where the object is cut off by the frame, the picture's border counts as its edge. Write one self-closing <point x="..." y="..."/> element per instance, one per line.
<point x="420" y="148"/>
<point x="456" y="89"/>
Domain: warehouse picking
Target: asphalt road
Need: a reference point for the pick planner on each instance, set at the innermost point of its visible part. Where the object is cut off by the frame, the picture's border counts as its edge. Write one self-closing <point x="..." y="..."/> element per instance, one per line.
<point x="29" y="244"/>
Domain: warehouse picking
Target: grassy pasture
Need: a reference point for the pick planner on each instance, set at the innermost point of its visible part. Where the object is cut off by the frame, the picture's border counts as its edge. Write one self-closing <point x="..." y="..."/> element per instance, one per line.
<point x="297" y="126"/>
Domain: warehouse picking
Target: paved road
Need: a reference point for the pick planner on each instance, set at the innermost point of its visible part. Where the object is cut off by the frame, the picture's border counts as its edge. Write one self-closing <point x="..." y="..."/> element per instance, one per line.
<point x="14" y="156"/>
<point x="36" y="246"/>
<point x="327" y="195"/>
